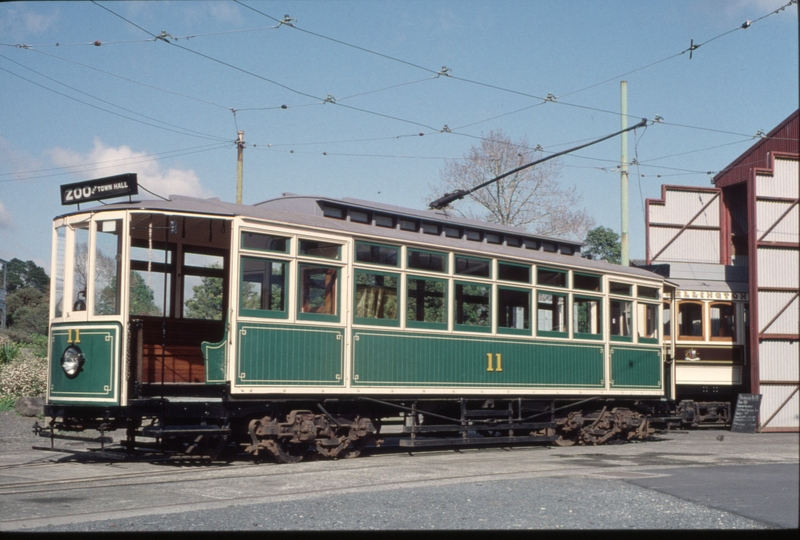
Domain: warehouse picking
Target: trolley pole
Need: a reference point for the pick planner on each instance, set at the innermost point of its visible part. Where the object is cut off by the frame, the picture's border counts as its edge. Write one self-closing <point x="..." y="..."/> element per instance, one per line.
<point x="623" y="175"/>
<point x="240" y="146"/>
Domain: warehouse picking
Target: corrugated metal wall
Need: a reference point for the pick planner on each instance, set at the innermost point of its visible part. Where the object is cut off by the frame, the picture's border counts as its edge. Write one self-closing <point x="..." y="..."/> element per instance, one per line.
<point x="681" y="206"/>
<point x="772" y="303"/>
<point x="769" y="212"/>
<point x="788" y="417"/>
<point x="777" y="268"/>
<point x="779" y="183"/>
<point x="691" y="246"/>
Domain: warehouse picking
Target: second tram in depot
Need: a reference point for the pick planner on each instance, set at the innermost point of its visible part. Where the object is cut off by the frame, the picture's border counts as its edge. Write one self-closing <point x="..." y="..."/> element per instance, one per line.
<point x="304" y="324"/>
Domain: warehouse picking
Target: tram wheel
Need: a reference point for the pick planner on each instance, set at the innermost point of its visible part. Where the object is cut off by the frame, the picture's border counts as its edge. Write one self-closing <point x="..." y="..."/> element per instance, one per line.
<point x="287" y="452"/>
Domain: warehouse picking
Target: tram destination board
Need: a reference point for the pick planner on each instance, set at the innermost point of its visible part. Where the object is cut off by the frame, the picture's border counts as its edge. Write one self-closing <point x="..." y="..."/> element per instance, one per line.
<point x="100" y="188"/>
<point x="745" y="417"/>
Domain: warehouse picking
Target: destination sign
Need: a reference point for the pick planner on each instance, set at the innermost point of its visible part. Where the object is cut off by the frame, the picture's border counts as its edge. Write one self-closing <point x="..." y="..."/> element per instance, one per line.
<point x="100" y="188"/>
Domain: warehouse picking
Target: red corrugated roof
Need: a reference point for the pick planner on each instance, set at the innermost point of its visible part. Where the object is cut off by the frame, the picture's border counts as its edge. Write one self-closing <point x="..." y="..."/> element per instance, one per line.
<point x="783" y="140"/>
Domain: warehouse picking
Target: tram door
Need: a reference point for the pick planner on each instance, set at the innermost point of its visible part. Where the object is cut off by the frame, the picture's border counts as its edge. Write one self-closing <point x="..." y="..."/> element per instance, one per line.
<point x="178" y="296"/>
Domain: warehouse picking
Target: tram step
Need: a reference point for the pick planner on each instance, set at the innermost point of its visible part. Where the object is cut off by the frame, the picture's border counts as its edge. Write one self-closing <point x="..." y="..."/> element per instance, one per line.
<point x="161" y="431"/>
<point x="488" y="413"/>
<point x="474" y="441"/>
<point x="473" y="427"/>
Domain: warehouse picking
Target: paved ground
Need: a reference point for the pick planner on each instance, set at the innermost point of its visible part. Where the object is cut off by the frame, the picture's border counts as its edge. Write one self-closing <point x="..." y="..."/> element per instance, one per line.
<point x="678" y="481"/>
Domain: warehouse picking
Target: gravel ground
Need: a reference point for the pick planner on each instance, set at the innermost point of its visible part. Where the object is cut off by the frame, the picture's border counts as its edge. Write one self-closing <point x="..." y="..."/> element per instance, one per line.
<point x="16" y="433"/>
<point x="540" y="503"/>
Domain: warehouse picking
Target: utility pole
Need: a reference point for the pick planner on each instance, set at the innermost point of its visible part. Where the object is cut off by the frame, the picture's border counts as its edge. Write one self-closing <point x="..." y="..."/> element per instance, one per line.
<point x="623" y="175"/>
<point x="240" y="146"/>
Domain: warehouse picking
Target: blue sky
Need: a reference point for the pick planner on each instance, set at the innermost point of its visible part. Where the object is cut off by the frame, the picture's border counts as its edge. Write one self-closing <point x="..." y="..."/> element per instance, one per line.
<point x="72" y="110"/>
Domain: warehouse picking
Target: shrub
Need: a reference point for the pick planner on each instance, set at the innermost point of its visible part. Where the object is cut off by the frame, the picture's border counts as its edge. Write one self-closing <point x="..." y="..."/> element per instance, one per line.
<point x="26" y="377"/>
<point x="8" y="351"/>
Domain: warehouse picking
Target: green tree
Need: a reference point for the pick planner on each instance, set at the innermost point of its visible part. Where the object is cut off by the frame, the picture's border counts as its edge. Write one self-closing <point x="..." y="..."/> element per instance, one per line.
<point x="28" y="312"/>
<point x="602" y="243"/>
<point x="25" y="274"/>
<point x="141" y="296"/>
<point x="206" y="300"/>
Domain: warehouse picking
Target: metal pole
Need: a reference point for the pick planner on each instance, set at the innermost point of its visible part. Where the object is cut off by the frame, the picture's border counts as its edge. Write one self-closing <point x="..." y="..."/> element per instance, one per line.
<point x="623" y="180"/>
<point x="240" y="146"/>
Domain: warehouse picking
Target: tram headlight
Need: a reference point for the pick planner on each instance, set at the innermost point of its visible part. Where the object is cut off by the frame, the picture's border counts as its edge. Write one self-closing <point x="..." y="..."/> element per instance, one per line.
<point x="72" y="361"/>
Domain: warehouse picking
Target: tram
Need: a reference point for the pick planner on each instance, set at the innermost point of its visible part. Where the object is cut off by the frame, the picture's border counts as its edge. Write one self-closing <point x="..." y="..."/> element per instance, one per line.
<point x="305" y="324"/>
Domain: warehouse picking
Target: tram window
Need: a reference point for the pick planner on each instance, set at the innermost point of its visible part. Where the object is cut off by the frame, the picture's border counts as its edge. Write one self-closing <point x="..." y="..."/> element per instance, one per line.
<point x="551" y="313"/>
<point x="150" y="280"/>
<point x="426" y="302"/>
<point x="513" y="309"/>
<point x="452" y="232"/>
<point x="551" y="278"/>
<point x="690" y="320"/>
<point x="384" y="221"/>
<point x="80" y="271"/>
<point x="723" y="322"/>
<point x="263" y="287"/>
<point x="647" y="324"/>
<point x="586" y="282"/>
<point x="619" y="288"/>
<point x="264" y="242"/>
<point x="494" y="238"/>
<point x="203" y="290"/>
<point x="427" y="260"/>
<point x="376" y="297"/>
<point x="586" y="317"/>
<point x="468" y="266"/>
<point x="667" y="311"/>
<point x="108" y="264"/>
<point x="376" y="254"/>
<point x="647" y="292"/>
<point x="472" y="306"/>
<point x="621" y="319"/>
<point x="314" y="248"/>
<point x="61" y="250"/>
<point x="318" y="290"/>
<point x="357" y="216"/>
<point x="514" y="272"/>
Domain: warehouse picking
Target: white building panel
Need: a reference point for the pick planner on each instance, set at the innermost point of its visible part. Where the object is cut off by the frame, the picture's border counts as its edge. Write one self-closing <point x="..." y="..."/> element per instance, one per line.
<point x="691" y="246"/>
<point x="777" y="268"/>
<point x="770" y="304"/>
<point x="681" y="206"/>
<point x="786" y="230"/>
<point x="782" y="183"/>
<point x="771" y="400"/>
<point x="778" y="361"/>
<point x="708" y="374"/>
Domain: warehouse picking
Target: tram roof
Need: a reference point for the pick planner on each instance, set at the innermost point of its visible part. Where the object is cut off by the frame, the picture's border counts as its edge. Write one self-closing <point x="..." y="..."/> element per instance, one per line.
<point x="347" y="215"/>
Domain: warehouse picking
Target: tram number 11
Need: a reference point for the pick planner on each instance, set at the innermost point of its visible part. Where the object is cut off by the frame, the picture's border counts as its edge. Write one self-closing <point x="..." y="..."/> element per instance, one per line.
<point x="498" y="357"/>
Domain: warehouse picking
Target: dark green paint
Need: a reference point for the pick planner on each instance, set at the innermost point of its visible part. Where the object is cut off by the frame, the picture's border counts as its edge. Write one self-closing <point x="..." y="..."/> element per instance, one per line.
<point x="98" y="382"/>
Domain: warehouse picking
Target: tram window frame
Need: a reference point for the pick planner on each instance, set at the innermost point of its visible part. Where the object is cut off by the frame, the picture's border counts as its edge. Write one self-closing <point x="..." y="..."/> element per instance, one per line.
<point x="443" y="309"/>
<point x="642" y="321"/>
<point x="269" y="240"/>
<point x="680" y="324"/>
<point x="504" y="267"/>
<point x="552" y="277"/>
<point x="666" y="323"/>
<point x="474" y="267"/>
<point x="303" y="247"/>
<point x="376" y="320"/>
<point x="109" y="292"/>
<point x="504" y="302"/>
<point x="190" y="271"/>
<point x="381" y="247"/>
<point x="59" y="268"/>
<point x="620" y="288"/>
<point x="713" y="336"/>
<point x="598" y="323"/>
<point x="411" y="264"/>
<point x="643" y="291"/>
<point x="459" y="303"/>
<point x="335" y="291"/>
<point x="581" y="280"/>
<point x="283" y="312"/>
<point x="167" y="269"/>
<point x="544" y="332"/>
<point x="615" y="330"/>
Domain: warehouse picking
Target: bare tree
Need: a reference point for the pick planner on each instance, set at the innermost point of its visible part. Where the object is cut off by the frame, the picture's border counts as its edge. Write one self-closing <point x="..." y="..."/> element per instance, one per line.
<point x="530" y="199"/>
